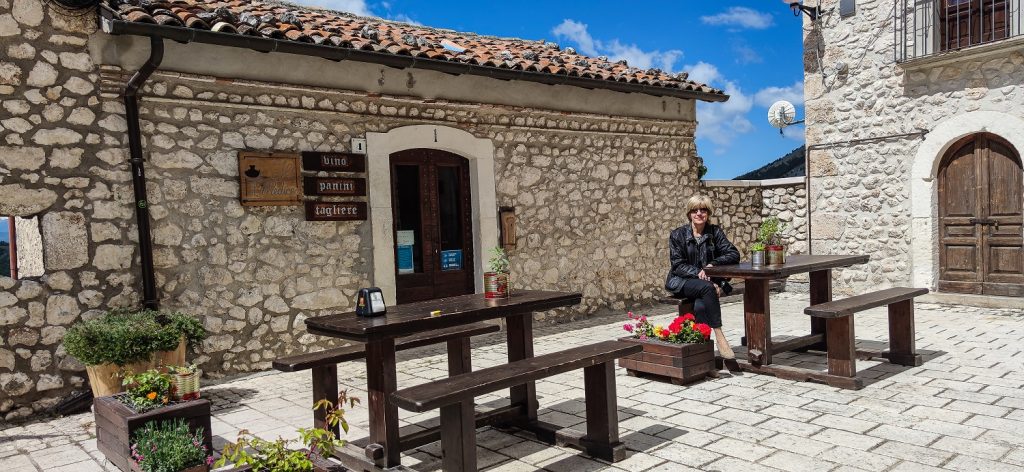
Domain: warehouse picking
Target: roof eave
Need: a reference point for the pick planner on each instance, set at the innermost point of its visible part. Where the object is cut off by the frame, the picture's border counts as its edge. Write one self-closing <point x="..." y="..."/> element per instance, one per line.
<point x="112" y="25"/>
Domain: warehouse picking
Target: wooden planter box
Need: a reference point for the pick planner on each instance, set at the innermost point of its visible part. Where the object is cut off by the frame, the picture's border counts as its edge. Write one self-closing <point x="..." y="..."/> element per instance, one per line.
<point x="319" y="465"/>
<point x="681" y="363"/>
<point x="115" y="424"/>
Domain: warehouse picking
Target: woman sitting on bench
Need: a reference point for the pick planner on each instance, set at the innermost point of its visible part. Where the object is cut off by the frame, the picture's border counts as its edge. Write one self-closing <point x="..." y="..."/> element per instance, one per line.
<point x="692" y="247"/>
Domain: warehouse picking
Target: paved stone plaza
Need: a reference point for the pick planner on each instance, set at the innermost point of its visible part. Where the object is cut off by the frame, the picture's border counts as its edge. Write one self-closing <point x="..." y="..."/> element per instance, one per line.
<point x="962" y="410"/>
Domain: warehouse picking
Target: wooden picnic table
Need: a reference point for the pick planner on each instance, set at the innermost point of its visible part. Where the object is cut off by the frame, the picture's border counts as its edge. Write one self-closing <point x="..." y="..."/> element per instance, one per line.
<point x="385" y="444"/>
<point x="759" y="344"/>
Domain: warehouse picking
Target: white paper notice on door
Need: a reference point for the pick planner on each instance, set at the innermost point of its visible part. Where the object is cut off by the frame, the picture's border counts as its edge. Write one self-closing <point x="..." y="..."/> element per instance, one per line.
<point x="405" y="238"/>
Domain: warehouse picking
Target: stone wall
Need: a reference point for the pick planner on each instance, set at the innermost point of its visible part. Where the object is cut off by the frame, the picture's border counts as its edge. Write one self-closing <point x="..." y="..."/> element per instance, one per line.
<point x="595" y="197"/>
<point x="743" y="204"/>
<point x="862" y="194"/>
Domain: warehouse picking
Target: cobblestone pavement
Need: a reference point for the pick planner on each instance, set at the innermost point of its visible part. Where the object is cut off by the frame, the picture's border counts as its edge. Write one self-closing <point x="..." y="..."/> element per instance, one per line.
<point x="962" y="410"/>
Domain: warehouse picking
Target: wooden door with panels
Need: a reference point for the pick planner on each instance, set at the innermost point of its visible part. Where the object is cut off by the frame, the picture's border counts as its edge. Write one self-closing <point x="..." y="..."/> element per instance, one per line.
<point x="433" y="226"/>
<point x="981" y="232"/>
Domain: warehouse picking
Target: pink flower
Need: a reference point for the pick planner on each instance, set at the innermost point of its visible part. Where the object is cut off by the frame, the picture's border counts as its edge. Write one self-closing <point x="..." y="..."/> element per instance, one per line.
<point x="209" y="460"/>
<point x="643" y="337"/>
<point x="628" y="327"/>
<point x="630" y="314"/>
<point x="643" y="318"/>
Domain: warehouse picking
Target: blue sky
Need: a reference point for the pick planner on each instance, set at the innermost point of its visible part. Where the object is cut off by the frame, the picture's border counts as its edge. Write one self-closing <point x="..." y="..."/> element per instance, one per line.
<point x="4" y="230"/>
<point x="751" y="49"/>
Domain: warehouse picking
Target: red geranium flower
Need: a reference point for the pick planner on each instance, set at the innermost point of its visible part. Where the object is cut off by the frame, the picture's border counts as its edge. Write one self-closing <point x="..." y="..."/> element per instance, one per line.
<point x="688" y="317"/>
<point x="703" y="329"/>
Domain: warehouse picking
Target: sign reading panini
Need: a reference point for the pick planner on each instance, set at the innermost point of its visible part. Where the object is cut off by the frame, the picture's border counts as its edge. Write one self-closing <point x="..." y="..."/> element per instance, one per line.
<point x="335" y="211"/>
<point x="333" y="161"/>
<point x="269" y="178"/>
<point x="332" y="186"/>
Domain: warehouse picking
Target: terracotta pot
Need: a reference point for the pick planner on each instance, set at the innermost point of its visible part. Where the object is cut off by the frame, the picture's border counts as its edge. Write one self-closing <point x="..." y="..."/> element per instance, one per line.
<point x="681" y="363"/>
<point x="496" y="285"/>
<point x="105" y="379"/>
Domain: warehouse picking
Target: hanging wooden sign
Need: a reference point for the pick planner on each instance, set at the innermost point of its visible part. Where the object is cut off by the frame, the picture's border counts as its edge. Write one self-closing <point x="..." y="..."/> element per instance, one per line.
<point x="335" y="211"/>
<point x="333" y="161"/>
<point x="334" y="186"/>
<point x="269" y="178"/>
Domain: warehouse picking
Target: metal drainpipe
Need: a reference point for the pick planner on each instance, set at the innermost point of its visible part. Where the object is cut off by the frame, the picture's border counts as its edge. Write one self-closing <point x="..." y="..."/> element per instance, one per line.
<point x="131" y="105"/>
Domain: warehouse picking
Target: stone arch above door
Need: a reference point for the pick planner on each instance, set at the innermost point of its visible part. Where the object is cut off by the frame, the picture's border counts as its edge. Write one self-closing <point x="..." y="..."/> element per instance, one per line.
<point x="923" y="189"/>
<point x="479" y="152"/>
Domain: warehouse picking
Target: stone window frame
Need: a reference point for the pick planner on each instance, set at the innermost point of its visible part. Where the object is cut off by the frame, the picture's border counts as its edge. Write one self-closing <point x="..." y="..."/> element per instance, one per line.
<point x="479" y="152"/>
<point x="924" y="199"/>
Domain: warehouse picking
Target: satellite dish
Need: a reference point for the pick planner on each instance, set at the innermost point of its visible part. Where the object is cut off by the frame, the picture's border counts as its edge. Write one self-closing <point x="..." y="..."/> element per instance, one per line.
<point x="781" y="114"/>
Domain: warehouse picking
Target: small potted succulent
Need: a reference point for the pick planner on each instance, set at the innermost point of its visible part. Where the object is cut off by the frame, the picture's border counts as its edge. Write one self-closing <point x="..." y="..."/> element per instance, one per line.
<point x="496" y="283"/>
<point x="186" y="381"/>
<point x="169" y="446"/>
<point x="770" y="234"/>
<point x="757" y="254"/>
<point x="135" y="340"/>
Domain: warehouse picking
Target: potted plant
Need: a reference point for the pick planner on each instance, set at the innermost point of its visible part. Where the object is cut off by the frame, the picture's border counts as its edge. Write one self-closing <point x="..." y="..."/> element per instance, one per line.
<point x="186" y="381"/>
<point x="135" y="340"/>
<point x="147" y="399"/>
<point x="496" y="280"/>
<point x="251" y="453"/>
<point x="770" y="235"/>
<point x="683" y="351"/>
<point x="169" y="446"/>
<point x="757" y="254"/>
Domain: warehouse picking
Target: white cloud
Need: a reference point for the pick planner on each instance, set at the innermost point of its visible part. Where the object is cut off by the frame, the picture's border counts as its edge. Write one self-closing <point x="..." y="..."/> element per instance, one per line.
<point x="577" y="33"/>
<point x="721" y="122"/>
<point x="746" y="54"/>
<point x="793" y="94"/>
<point x="403" y="18"/>
<point x="740" y="17"/>
<point x="356" y="7"/>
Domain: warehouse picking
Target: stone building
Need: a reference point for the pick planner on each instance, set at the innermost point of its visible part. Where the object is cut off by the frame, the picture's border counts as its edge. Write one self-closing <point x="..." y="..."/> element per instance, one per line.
<point x="915" y="129"/>
<point x="591" y="157"/>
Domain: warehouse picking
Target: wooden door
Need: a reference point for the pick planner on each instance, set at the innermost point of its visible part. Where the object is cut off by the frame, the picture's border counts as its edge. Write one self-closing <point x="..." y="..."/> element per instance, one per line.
<point x="981" y="236"/>
<point x="964" y="23"/>
<point x="430" y="198"/>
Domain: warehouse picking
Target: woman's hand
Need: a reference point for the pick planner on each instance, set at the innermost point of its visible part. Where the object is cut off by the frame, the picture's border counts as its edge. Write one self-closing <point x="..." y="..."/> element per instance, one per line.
<point x="718" y="290"/>
<point x="701" y="275"/>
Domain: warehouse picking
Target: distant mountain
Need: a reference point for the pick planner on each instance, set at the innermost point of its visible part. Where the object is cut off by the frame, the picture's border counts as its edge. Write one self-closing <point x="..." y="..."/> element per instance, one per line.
<point x="790" y="165"/>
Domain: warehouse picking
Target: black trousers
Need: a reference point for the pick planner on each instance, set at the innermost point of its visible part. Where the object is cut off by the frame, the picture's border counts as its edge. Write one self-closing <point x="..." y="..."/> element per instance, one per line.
<point x="706" y="306"/>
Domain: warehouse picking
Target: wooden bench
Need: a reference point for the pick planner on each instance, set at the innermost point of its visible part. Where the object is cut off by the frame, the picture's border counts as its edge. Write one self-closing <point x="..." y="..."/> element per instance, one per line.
<point x="839" y="333"/>
<point x="324" y="364"/>
<point x="454" y="396"/>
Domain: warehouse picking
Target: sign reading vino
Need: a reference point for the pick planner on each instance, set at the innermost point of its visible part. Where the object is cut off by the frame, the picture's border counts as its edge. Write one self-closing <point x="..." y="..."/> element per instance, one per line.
<point x="334" y="186"/>
<point x="335" y="211"/>
<point x="333" y="161"/>
<point x="269" y="178"/>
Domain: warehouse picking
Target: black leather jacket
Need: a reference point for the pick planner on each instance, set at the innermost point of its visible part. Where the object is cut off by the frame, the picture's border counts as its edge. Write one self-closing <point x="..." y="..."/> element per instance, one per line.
<point x="689" y="256"/>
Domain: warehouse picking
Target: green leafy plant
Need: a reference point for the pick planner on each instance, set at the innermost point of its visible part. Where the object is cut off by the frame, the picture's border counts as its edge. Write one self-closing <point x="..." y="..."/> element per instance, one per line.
<point x="124" y="336"/>
<point x="277" y="456"/>
<point x="168" y="446"/>
<point x="182" y="369"/>
<point x="757" y="246"/>
<point x="769" y="232"/>
<point x="702" y="170"/>
<point x="499" y="260"/>
<point x="146" y="390"/>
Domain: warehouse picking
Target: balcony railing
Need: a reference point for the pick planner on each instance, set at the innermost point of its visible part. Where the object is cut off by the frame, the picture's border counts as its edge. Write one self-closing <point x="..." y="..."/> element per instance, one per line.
<point x="928" y="27"/>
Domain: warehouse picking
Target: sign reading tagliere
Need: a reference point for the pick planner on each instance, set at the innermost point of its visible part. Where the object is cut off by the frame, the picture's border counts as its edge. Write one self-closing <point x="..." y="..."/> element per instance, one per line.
<point x="269" y="178"/>
<point x="335" y="211"/>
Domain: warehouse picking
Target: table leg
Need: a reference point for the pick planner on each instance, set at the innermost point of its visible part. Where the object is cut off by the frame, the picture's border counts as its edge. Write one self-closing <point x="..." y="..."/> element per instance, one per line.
<point x="821" y="292"/>
<point x="757" y="321"/>
<point x="519" y="331"/>
<point x="381" y="382"/>
<point x="459" y="359"/>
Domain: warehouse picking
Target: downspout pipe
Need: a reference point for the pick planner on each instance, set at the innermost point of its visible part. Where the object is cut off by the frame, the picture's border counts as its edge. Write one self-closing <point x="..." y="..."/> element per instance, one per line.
<point x="131" y="106"/>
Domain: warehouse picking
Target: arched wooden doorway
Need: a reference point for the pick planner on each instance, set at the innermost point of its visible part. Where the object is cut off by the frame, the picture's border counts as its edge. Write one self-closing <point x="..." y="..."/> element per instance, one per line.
<point x="981" y="240"/>
<point x="432" y="209"/>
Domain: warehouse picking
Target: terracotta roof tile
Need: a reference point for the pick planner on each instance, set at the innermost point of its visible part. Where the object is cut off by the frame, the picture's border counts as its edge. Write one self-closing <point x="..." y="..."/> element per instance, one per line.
<point x="343" y="30"/>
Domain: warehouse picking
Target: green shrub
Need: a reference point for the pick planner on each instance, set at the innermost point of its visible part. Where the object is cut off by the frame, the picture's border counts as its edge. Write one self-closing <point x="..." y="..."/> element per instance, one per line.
<point x="124" y="336"/>
<point x="168" y="447"/>
<point x="146" y="390"/>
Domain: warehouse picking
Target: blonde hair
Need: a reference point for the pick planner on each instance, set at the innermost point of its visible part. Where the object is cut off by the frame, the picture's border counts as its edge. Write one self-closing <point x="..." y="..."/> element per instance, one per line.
<point x="699" y="201"/>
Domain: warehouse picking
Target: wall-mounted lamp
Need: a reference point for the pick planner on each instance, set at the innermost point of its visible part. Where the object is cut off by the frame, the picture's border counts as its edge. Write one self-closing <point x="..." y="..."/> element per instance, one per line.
<point x="797" y="6"/>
